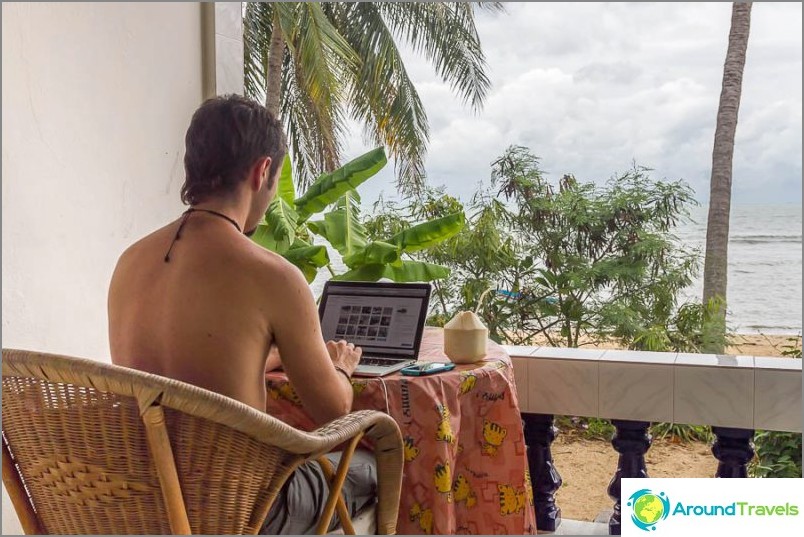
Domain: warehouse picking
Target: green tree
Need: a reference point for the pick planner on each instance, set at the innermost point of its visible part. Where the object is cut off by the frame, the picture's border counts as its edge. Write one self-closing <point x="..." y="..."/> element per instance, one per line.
<point x="319" y="63"/>
<point x="717" y="228"/>
<point x="568" y="261"/>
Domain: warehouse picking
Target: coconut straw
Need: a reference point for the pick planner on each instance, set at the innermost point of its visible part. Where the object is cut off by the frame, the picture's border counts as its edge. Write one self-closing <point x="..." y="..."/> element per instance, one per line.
<point x="480" y="300"/>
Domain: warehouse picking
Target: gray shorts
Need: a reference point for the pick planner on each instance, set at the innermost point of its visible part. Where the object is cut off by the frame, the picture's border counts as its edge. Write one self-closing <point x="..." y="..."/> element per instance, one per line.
<point x="301" y="501"/>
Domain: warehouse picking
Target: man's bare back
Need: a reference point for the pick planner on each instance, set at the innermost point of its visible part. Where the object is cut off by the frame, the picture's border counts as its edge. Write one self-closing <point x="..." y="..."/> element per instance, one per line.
<point x="209" y="314"/>
<point x="203" y="316"/>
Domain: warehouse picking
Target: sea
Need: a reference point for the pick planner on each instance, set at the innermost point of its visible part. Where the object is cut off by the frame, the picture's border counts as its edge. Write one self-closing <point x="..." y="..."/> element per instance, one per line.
<point x="764" y="278"/>
<point x="765" y="272"/>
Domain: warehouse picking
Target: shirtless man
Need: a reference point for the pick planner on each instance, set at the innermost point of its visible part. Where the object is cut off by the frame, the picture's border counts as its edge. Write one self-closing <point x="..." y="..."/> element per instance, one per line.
<point x="199" y="302"/>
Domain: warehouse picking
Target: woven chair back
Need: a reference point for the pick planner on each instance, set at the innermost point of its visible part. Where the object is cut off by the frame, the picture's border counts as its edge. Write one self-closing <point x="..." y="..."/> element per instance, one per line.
<point x="85" y="461"/>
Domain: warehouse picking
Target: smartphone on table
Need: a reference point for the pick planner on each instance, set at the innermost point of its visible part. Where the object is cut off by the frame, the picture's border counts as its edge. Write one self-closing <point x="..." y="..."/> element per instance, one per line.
<point x="420" y="369"/>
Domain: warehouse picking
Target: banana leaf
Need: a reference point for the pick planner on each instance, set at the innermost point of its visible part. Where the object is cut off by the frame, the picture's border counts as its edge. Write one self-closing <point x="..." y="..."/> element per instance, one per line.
<point x="264" y="236"/>
<point x="285" y="190"/>
<point x="416" y="271"/>
<point x="308" y="259"/>
<point x="279" y="231"/>
<point x="342" y="228"/>
<point x="429" y="233"/>
<point x="299" y="242"/>
<point x="366" y="273"/>
<point x="330" y="186"/>
<point x="374" y="252"/>
<point x="409" y="271"/>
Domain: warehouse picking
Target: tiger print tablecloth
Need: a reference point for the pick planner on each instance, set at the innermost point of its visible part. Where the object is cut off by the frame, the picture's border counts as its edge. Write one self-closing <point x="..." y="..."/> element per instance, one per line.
<point x="465" y="456"/>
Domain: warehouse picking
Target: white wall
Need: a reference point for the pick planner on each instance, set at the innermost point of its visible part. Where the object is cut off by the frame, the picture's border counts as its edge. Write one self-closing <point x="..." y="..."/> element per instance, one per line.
<point x="96" y="100"/>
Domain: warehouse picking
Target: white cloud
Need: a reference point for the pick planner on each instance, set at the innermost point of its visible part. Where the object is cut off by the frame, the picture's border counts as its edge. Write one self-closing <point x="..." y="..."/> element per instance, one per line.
<point x="590" y="87"/>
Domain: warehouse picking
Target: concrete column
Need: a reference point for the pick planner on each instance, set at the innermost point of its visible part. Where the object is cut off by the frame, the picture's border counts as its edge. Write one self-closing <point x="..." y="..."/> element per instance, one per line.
<point x="222" y="48"/>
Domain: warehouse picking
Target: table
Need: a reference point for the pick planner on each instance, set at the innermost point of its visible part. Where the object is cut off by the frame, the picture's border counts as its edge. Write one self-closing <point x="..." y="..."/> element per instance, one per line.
<point x="466" y="468"/>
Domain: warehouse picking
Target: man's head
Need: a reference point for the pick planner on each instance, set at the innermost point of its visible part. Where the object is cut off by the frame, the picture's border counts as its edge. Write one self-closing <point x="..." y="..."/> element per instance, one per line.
<point x="233" y="145"/>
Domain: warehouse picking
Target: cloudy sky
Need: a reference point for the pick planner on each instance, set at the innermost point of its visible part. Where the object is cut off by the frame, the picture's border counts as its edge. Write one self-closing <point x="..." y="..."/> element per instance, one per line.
<point x="592" y="87"/>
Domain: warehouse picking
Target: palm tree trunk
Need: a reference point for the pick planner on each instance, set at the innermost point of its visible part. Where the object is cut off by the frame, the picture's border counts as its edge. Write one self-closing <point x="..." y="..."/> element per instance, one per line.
<point x="717" y="229"/>
<point x="273" y="78"/>
<point x="331" y="160"/>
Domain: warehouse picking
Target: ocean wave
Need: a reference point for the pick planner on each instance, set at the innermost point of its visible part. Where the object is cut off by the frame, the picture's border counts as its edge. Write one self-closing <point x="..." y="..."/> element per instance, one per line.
<point x="758" y="239"/>
<point x="775" y="329"/>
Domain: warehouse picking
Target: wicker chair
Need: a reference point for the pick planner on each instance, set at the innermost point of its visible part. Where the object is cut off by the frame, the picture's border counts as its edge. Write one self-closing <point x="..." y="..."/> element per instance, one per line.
<point x="94" y="448"/>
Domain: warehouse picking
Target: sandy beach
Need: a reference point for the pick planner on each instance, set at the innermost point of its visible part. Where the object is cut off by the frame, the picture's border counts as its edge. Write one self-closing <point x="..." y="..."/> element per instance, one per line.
<point x="739" y="344"/>
<point x="762" y="344"/>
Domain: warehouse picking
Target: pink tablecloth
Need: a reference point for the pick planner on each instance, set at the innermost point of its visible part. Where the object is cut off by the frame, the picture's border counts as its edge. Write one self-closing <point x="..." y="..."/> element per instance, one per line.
<point x="466" y="467"/>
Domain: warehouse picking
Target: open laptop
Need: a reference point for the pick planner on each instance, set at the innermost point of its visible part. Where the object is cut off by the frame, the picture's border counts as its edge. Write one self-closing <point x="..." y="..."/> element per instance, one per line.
<point x="385" y="319"/>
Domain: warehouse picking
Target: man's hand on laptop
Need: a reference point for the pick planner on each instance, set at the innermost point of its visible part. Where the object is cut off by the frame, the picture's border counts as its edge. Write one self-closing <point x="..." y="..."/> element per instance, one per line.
<point x="345" y="356"/>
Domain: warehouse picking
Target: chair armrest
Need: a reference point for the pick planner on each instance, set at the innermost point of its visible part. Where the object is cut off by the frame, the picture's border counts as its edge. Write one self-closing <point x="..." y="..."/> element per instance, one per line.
<point x="388" y="451"/>
<point x="374" y="423"/>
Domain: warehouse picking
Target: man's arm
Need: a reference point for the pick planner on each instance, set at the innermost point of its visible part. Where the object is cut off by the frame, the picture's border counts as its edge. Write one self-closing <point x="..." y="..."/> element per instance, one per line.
<point x="325" y="393"/>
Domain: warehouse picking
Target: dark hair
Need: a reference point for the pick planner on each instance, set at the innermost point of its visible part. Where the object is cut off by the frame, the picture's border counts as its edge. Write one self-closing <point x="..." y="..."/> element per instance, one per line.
<point x="226" y="136"/>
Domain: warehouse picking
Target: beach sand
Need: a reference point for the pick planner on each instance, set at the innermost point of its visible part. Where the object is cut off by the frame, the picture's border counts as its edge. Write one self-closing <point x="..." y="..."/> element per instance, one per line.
<point x="762" y="344"/>
<point x="739" y="344"/>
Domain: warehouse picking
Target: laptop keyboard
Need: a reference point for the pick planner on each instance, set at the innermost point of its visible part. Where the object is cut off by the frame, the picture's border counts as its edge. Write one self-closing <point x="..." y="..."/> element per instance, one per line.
<point x="368" y="360"/>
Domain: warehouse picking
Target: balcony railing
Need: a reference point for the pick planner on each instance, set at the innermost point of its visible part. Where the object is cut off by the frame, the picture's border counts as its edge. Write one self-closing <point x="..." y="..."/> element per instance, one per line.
<point x="733" y="394"/>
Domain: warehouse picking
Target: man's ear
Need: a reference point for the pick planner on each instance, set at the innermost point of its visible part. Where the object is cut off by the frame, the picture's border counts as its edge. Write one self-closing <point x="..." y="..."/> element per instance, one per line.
<point x="259" y="173"/>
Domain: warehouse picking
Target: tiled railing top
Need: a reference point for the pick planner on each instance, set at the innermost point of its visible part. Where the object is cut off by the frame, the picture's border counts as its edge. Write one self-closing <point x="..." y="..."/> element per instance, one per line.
<point x="646" y="357"/>
<point x="750" y="392"/>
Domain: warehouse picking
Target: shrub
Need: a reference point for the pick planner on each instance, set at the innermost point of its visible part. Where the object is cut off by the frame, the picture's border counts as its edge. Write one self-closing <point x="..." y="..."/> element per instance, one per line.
<point x="778" y="454"/>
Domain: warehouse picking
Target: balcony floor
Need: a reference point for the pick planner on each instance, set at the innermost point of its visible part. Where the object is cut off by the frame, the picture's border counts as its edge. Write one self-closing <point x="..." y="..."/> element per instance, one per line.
<point x="580" y="527"/>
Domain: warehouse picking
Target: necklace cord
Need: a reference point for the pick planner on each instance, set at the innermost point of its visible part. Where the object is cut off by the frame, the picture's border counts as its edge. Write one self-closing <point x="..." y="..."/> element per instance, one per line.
<point x="187" y="214"/>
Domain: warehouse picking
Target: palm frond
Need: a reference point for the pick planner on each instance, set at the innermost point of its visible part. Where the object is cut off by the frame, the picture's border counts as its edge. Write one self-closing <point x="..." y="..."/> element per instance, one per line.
<point x="301" y="127"/>
<point x="382" y="96"/>
<point x="445" y="33"/>
<point x="342" y="57"/>
<point x="320" y="57"/>
<point x="257" y="26"/>
<point x="498" y="7"/>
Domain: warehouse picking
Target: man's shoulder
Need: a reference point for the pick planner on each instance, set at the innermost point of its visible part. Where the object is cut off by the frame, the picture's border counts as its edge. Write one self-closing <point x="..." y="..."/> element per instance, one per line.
<point x="143" y="245"/>
<point x="274" y="268"/>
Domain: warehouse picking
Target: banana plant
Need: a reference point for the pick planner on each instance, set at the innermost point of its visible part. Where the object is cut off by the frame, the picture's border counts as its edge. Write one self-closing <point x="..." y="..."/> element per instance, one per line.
<point x="289" y="228"/>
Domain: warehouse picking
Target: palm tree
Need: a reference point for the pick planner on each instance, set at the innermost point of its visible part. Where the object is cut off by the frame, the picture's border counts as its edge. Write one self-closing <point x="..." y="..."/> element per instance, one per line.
<point x="717" y="229"/>
<point x="319" y="64"/>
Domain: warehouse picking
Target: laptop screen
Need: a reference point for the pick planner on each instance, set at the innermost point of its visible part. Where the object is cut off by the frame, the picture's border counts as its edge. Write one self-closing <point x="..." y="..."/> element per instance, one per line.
<point x="382" y="318"/>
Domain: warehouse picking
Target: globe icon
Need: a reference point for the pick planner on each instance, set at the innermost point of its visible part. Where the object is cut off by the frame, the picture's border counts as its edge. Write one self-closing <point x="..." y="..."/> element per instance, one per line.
<point x="648" y="509"/>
